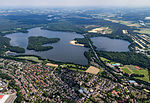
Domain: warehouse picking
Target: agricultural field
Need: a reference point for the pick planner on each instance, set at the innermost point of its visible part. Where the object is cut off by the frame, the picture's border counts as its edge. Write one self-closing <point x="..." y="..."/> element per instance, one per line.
<point x="130" y="69"/>
<point x="143" y="31"/>
<point x="127" y="23"/>
<point x="102" y="30"/>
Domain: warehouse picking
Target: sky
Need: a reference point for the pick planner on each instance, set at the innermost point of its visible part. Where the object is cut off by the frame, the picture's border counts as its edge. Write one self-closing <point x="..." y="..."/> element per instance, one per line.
<point x="68" y="3"/>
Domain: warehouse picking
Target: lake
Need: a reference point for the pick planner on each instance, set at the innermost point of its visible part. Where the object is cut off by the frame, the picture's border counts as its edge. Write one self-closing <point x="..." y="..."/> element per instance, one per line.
<point x="63" y="51"/>
<point x="107" y="44"/>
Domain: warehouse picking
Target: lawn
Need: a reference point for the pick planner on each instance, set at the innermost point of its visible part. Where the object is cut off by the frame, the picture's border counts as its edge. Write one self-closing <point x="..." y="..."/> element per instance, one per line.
<point x="142" y="72"/>
<point x="126" y="70"/>
<point x="32" y="58"/>
<point x="106" y="60"/>
<point x="130" y="69"/>
<point x="74" y="67"/>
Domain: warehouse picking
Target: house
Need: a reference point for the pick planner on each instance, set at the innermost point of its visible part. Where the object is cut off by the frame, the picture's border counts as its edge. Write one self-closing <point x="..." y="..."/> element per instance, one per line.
<point x="7" y="98"/>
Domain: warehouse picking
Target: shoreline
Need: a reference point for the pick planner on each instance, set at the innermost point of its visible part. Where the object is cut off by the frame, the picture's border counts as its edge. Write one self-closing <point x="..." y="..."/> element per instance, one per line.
<point x="73" y="42"/>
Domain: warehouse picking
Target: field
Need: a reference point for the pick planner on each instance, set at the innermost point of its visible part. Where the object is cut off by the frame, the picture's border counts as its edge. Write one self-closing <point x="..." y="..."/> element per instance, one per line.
<point x="52" y="65"/>
<point x="143" y="31"/>
<point x="102" y="30"/>
<point x="126" y="70"/>
<point x="74" y="67"/>
<point x="107" y="61"/>
<point x="127" y="23"/>
<point x="147" y="18"/>
<point x="93" y="70"/>
<point x="144" y="72"/>
<point x="130" y="69"/>
<point x="32" y="58"/>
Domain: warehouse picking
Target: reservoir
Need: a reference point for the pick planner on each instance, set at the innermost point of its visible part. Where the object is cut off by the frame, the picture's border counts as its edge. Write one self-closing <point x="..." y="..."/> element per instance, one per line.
<point x="107" y="44"/>
<point x="63" y="51"/>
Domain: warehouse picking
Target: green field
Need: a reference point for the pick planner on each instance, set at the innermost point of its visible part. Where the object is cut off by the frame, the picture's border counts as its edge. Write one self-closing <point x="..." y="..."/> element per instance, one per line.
<point x="104" y="59"/>
<point x="144" y="72"/>
<point x="126" y="71"/>
<point x="74" y="67"/>
<point x="130" y="69"/>
<point x="32" y="58"/>
<point x="107" y="61"/>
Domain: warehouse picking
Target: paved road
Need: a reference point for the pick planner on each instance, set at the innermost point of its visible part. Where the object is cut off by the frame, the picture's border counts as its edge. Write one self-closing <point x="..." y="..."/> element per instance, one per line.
<point x="100" y="61"/>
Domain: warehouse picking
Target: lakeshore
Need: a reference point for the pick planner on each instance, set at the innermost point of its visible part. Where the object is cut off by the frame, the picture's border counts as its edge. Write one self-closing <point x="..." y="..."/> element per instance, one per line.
<point x="73" y="42"/>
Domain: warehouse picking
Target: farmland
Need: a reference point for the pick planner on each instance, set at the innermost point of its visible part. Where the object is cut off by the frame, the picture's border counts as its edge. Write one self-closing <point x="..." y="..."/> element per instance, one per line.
<point x="127" y="23"/>
<point x="143" y="31"/>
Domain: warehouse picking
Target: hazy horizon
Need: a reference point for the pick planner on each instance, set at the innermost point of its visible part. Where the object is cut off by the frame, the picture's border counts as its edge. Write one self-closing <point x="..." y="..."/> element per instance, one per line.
<point x="74" y="3"/>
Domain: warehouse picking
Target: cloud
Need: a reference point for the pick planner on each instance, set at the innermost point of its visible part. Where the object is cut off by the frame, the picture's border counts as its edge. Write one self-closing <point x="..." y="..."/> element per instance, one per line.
<point x="128" y="3"/>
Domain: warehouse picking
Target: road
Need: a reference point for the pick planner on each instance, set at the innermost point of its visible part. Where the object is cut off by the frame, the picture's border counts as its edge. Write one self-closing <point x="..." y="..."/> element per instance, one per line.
<point x="99" y="60"/>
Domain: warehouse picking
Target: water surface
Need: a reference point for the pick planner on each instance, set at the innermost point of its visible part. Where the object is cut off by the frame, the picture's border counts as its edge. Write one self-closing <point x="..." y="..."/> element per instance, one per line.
<point x="63" y="51"/>
<point x="107" y="44"/>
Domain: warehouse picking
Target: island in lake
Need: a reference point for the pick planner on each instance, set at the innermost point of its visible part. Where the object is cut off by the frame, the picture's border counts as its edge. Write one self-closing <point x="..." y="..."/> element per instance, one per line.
<point x="36" y="43"/>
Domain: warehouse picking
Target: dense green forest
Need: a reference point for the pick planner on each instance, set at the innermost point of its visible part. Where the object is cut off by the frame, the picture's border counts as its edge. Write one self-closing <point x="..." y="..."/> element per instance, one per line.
<point x="82" y="41"/>
<point x="5" y="45"/>
<point x="35" y="43"/>
<point x="73" y="24"/>
<point x="20" y="23"/>
<point x="65" y="26"/>
<point x="17" y="23"/>
<point x="127" y="58"/>
<point x="16" y="49"/>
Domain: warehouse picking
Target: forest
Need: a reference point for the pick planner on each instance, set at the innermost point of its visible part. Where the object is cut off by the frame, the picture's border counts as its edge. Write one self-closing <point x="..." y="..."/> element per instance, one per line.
<point x="127" y="58"/>
<point x="5" y="46"/>
<point x="65" y="26"/>
<point x="83" y="41"/>
<point x="20" y="23"/>
<point x="36" y="43"/>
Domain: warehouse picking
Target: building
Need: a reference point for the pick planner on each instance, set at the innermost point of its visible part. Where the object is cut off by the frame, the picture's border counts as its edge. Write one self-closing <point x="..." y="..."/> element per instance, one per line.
<point x="116" y="64"/>
<point x="7" y="98"/>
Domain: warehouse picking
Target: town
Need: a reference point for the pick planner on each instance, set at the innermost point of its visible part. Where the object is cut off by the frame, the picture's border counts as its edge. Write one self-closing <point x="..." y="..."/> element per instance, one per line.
<point x="37" y="82"/>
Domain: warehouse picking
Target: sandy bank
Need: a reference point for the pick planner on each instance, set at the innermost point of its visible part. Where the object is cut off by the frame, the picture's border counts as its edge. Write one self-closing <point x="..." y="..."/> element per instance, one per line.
<point x="73" y="42"/>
